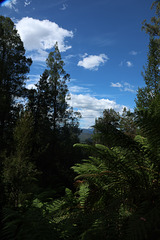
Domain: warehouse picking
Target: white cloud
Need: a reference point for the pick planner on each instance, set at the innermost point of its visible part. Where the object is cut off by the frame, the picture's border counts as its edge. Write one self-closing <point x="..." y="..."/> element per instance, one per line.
<point x="92" y="62"/>
<point x="34" y="78"/>
<point x="124" y="87"/>
<point x="134" y="53"/>
<point x="31" y="86"/>
<point x="69" y="59"/>
<point x="91" y="107"/>
<point x="121" y="64"/>
<point x="64" y="7"/>
<point x="10" y="4"/>
<point x="129" y="64"/>
<point x="118" y="85"/>
<point x="129" y="88"/>
<point x="69" y="56"/>
<point x="128" y="84"/>
<point x="126" y="63"/>
<point x="78" y="89"/>
<point x="39" y="55"/>
<point x="40" y="36"/>
<point x="26" y="3"/>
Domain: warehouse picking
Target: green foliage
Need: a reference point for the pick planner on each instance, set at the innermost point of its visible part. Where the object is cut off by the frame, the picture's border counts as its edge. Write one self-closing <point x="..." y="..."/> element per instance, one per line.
<point x="48" y="103"/>
<point x="113" y="127"/>
<point x="149" y="122"/>
<point x="121" y="183"/>
<point x="151" y="71"/>
<point x="29" y="223"/>
<point x="56" y="125"/>
<point x="13" y="68"/>
<point x="83" y="193"/>
<point x="145" y="222"/>
<point x="18" y="170"/>
<point x="127" y="123"/>
<point x="151" y="76"/>
<point x="58" y="88"/>
<point x="153" y="28"/>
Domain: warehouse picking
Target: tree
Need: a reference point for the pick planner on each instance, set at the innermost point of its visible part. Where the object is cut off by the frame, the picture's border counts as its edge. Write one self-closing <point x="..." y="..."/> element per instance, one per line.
<point x="13" y="68"/>
<point x="58" y="88"/>
<point x="18" y="169"/>
<point x="113" y="122"/>
<point x="152" y="70"/>
<point x="56" y="125"/>
<point x="110" y="117"/>
<point x="49" y="101"/>
<point x="39" y="104"/>
<point x="153" y="28"/>
<point x="151" y="76"/>
<point x="127" y="123"/>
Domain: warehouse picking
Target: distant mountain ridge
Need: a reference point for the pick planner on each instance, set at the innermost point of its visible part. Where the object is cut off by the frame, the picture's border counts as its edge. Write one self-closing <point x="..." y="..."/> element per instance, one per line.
<point x="86" y="134"/>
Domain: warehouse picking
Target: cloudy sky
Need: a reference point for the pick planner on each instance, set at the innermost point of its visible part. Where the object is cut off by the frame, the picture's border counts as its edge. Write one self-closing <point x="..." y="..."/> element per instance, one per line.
<point x="101" y="43"/>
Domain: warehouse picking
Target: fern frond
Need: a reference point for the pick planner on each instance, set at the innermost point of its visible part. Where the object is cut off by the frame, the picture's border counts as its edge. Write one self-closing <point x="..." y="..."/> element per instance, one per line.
<point x="27" y="224"/>
<point x="145" y="222"/>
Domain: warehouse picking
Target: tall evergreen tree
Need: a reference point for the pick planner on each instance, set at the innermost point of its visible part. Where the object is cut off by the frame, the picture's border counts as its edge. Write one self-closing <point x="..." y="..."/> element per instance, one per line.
<point x="56" y="124"/>
<point x="48" y="102"/>
<point x="151" y="76"/>
<point x="152" y="28"/>
<point x="58" y="88"/>
<point x="13" y="68"/>
<point x="152" y="70"/>
<point x="39" y="104"/>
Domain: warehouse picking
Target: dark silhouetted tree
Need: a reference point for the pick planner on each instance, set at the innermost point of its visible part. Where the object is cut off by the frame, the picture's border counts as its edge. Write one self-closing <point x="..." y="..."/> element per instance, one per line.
<point x="18" y="169"/>
<point x="13" y="68"/>
<point x="152" y="69"/>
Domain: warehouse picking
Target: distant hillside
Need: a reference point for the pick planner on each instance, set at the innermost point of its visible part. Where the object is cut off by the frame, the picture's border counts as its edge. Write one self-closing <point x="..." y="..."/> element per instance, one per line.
<point x="86" y="134"/>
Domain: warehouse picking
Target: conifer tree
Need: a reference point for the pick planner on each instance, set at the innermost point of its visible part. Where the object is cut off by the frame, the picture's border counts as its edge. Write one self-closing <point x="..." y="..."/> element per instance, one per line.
<point x="58" y="88"/>
<point x="152" y="70"/>
<point x="56" y="125"/>
<point x="13" y="68"/>
<point x="39" y="104"/>
<point x="49" y="100"/>
<point x="151" y="76"/>
<point x="152" y="28"/>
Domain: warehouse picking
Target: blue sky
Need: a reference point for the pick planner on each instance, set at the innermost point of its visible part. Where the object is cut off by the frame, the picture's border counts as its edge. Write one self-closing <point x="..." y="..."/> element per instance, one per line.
<point x="101" y="43"/>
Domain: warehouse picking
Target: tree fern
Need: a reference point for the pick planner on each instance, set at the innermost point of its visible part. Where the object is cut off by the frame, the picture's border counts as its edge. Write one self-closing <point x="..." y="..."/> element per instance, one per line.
<point x="120" y="176"/>
<point x="27" y="224"/>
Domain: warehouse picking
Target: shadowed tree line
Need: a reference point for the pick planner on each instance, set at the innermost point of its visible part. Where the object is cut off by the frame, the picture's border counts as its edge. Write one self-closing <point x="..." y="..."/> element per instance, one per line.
<point x="47" y="191"/>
